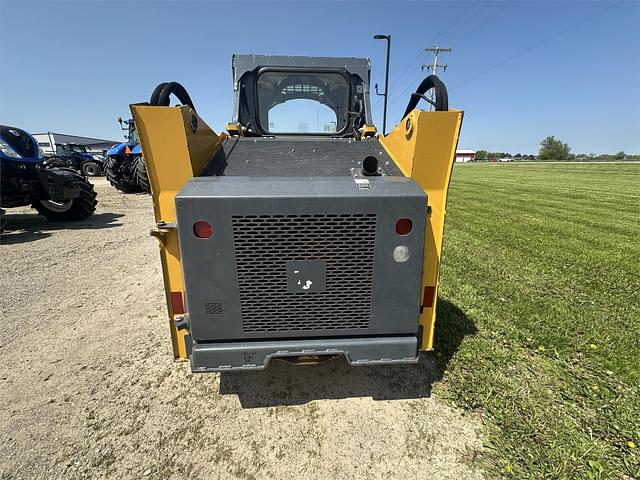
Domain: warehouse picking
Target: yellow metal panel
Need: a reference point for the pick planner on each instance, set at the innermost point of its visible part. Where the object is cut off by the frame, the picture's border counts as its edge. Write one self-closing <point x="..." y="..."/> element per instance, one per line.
<point x="234" y="129"/>
<point x="368" y="131"/>
<point x="176" y="145"/>
<point x="423" y="146"/>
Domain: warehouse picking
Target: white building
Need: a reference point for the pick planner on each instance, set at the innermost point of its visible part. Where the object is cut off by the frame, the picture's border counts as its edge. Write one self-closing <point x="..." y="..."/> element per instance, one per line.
<point x="464" y="156"/>
<point x="47" y="141"/>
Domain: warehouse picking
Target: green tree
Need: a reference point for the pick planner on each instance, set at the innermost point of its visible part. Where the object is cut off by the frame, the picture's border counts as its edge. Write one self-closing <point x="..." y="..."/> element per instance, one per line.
<point x="619" y="155"/>
<point x="553" y="149"/>
<point x="481" y="155"/>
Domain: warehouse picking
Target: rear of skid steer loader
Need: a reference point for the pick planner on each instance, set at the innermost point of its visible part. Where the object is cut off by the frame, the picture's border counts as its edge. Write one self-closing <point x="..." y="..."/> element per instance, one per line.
<point x="290" y="244"/>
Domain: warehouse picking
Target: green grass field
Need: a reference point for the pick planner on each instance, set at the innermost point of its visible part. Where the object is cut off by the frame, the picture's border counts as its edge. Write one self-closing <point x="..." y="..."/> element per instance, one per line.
<point x="542" y="262"/>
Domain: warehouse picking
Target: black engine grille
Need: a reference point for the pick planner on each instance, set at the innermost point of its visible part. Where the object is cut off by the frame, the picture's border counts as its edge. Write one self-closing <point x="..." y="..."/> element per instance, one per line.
<point x="264" y="244"/>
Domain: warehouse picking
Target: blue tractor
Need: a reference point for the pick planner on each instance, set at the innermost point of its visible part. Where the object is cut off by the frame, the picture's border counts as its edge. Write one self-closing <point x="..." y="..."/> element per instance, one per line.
<point x="58" y="193"/>
<point x="125" y="168"/>
<point x="77" y="157"/>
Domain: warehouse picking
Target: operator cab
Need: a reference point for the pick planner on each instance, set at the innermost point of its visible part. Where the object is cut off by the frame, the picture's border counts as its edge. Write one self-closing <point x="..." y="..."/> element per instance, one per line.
<point x="300" y="96"/>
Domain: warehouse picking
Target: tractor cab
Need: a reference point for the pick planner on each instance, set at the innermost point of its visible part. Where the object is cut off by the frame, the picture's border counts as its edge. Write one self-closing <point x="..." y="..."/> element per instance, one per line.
<point x="71" y="148"/>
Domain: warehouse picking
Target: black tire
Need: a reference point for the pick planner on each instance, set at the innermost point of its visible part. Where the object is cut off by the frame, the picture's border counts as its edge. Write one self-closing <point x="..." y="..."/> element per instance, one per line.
<point x="91" y="169"/>
<point x="54" y="162"/>
<point x="3" y="220"/>
<point x="78" y="208"/>
<point x="112" y="170"/>
<point x="140" y="170"/>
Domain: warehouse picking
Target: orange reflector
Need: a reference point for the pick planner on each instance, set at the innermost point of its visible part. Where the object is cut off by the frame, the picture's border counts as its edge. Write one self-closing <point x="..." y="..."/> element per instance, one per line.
<point x="127" y="150"/>
<point x="202" y="229"/>
<point x="427" y="296"/>
<point x="404" y="226"/>
<point x="177" y="304"/>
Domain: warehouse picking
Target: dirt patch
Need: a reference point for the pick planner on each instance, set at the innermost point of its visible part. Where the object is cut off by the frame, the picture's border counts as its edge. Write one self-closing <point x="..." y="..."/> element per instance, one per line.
<point x="89" y="388"/>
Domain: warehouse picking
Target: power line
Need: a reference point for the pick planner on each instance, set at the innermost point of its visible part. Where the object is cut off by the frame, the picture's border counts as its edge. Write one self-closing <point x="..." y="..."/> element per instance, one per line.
<point x="406" y="73"/>
<point x="409" y="85"/>
<point x="400" y="84"/>
<point x="429" y="66"/>
<point x="401" y="78"/>
<point x="537" y="44"/>
<point x="467" y="15"/>
<point x="434" y="67"/>
<point x="449" y="30"/>
<point x="476" y="28"/>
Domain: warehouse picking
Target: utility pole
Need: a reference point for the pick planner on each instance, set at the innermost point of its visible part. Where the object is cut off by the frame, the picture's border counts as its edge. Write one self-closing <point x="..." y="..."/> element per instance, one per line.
<point x="434" y="66"/>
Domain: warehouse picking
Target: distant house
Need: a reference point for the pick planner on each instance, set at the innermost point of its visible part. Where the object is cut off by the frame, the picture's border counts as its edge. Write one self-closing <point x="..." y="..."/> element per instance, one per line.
<point x="464" y="156"/>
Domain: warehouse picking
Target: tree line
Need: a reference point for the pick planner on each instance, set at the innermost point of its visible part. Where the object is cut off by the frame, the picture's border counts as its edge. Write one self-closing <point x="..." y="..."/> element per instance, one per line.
<point x="551" y="149"/>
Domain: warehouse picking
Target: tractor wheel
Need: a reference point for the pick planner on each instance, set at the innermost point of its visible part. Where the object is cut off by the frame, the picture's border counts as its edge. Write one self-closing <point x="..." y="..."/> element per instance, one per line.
<point x="73" y="209"/>
<point x="3" y="219"/>
<point x="115" y="178"/>
<point x="91" y="169"/>
<point x="140" y="170"/>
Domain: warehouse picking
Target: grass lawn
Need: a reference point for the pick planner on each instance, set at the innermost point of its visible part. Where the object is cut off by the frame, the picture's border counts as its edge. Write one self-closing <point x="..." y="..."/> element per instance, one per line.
<point x="544" y="262"/>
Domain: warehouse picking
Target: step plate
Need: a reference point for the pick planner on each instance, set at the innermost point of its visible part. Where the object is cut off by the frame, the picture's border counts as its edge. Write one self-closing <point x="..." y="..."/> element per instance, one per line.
<point x="217" y="357"/>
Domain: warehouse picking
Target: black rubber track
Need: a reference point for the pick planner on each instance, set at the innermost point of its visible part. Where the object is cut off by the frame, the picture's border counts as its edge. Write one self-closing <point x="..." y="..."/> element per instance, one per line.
<point x="81" y="208"/>
<point x="140" y="171"/>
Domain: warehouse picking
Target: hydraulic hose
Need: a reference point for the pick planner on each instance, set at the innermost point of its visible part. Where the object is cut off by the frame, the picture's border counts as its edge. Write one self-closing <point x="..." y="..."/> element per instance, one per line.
<point x="441" y="103"/>
<point x="156" y="94"/>
<point x="161" y="94"/>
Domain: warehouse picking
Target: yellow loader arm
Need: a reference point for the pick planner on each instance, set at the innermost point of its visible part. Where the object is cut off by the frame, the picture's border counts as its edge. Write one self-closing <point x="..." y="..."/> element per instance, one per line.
<point x="423" y="145"/>
<point x="176" y="145"/>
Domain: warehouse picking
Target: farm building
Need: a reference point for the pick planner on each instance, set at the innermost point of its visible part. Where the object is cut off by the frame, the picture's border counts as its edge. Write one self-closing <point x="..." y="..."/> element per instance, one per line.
<point x="464" y="156"/>
<point x="48" y="140"/>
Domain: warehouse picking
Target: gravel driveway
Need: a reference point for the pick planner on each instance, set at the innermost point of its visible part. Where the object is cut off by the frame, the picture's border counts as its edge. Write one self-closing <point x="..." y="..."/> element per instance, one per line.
<point x="89" y="388"/>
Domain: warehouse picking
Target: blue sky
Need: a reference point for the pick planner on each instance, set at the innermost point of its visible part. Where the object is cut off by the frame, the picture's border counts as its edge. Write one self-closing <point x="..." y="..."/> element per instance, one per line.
<point x="520" y="70"/>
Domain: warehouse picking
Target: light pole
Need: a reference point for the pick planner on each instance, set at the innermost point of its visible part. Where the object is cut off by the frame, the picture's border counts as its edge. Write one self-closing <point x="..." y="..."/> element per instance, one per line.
<point x="386" y="81"/>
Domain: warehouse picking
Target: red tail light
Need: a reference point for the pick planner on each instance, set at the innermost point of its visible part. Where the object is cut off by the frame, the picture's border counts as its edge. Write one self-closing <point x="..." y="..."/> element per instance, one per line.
<point x="177" y="304"/>
<point x="404" y="226"/>
<point x="202" y="229"/>
<point x="427" y="296"/>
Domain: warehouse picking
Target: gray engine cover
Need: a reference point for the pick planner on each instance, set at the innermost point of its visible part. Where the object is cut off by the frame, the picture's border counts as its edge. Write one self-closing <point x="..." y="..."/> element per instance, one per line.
<point x="294" y="257"/>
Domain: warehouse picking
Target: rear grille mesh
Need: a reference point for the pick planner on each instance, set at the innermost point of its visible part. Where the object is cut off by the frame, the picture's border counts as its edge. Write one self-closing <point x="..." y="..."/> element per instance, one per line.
<point x="264" y="244"/>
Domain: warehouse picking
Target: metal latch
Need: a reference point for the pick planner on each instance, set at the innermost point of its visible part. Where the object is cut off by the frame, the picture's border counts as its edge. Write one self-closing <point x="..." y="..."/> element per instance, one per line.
<point x="161" y="229"/>
<point x="362" y="183"/>
<point x="181" y="322"/>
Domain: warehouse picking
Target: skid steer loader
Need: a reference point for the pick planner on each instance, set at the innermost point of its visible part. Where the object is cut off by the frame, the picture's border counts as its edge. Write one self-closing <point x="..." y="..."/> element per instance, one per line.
<point x="300" y="233"/>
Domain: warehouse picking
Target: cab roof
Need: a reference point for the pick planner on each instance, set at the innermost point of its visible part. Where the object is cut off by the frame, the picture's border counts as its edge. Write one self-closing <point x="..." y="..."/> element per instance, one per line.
<point x="242" y="64"/>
